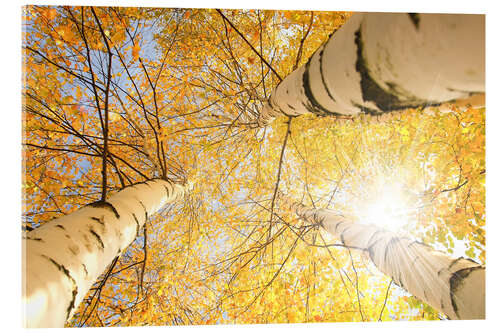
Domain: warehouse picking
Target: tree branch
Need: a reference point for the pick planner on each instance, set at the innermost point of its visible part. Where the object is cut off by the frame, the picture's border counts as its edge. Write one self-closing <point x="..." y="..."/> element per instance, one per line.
<point x="249" y="44"/>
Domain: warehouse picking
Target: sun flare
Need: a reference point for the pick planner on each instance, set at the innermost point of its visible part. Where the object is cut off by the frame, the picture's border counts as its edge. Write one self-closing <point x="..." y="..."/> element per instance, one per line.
<point x="387" y="206"/>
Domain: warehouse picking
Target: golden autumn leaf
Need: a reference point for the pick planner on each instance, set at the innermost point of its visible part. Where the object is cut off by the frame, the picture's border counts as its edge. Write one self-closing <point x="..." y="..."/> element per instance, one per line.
<point x="230" y="251"/>
<point x="135" y="52"/>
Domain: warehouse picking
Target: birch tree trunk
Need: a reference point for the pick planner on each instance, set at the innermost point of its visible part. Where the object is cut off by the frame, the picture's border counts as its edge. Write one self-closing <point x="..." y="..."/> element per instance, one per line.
<point x="453" y="286"/>
<point x="65" y="256"/>
<point x="381" y="62"/>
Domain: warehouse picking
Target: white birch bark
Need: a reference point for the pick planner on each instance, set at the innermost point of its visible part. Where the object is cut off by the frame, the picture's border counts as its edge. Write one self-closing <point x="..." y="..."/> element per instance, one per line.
<point x="381" y="62"/>
<point x="65" y="256"/>
<point x="453" y="286"/>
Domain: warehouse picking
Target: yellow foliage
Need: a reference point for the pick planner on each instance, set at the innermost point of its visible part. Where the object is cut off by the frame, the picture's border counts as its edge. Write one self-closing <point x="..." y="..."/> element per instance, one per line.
<point x="229" y="253"/>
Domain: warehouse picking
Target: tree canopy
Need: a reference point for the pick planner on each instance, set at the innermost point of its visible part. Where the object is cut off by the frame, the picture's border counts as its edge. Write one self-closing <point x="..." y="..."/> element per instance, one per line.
<point x="113" y="96"/>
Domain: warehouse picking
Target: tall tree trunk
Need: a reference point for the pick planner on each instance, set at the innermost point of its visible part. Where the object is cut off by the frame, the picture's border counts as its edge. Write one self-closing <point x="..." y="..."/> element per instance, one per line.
<point x="453" y="286"/>
<point x="380" y="62"/>
<point x="65" y="256"/>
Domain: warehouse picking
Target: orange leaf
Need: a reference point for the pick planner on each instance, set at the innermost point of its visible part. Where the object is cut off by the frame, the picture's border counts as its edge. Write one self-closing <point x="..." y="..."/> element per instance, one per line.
<point x="135" y="52"/>
<point x="51" y="13"/>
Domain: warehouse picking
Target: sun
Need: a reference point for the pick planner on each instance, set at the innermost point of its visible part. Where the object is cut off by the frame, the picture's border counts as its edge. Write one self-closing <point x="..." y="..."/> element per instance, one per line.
<point x="387" y="205"/>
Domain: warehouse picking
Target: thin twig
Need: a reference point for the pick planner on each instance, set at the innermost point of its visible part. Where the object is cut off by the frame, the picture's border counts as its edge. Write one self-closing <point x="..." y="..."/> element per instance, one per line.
<point x="278" y="177"/>
<point x="145" y="249"/>
<point x="357" y="285"/>
<point x="98" y="292"/>
<point x="385" y="301"/>
<point x="456" y="187"/>
<point x="301" y="46"/>
<point x="249" y="44"/>
<point x="106" y="109"/>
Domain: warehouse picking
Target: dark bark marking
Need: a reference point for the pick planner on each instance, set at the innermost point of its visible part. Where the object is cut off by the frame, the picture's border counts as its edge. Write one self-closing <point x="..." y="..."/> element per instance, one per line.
<point x="323" y="80"/>
<point x="145" y="211"/>
<point x="134" y="184"/>
<point x="415" y="18"/>
<point x="367" y="110"/>
<point x="35" y="239"/>
<point x="373" y="235"/>
<point x="450" y="266"/>
<point x="370" y="253"/>
<point x="72" y="303"/>
<point x="385" y="100"/>
<point x="74" y="292"/>
<point x="342" y="237"/>
<point x="400" y="280"/>
<point x="370" y="90"/>
<point x="337" y="226"/>
<point x="309" y="108"/>
<point x="137" y="225"/>
<point x="87" y="241"/>
<point x="60" y="226"/>
<point x="456" y="281"/>
<point x="370" y="247"/>
<point x="85" y="269"/>
<point x="146" y="183"/>
<point x="99" y="220"/>
<point x="166" y="189"/>
<point x="314" y="106"/>
<point x="465" y="92"/>
<point x="269" y="103"/>
<point x="471" y="260"/>
<point x="107" y="205"/>
<point x="281" y="110"/>
<point x="74" y="249"/>
<point x="419" y="243"/>
<point x="96" y="235"/>
<point x="291" y="107"/>
<point x="391" y="242"/>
